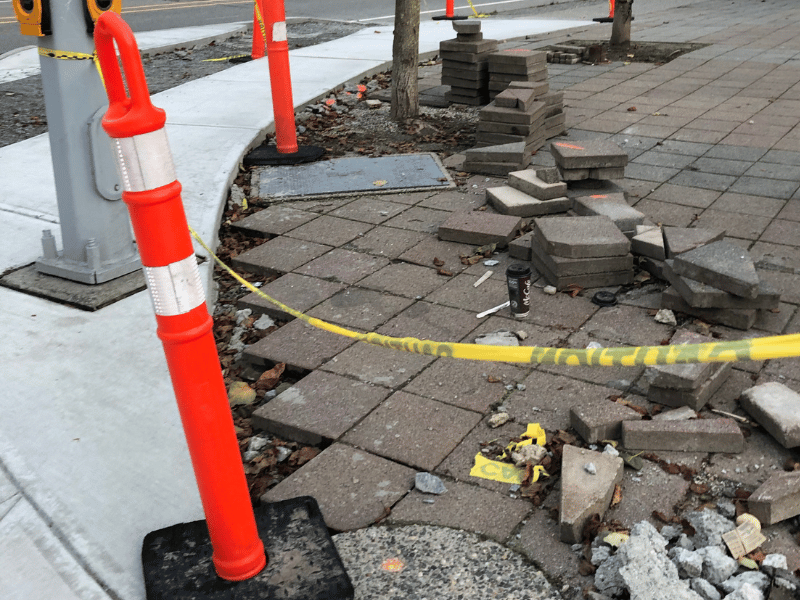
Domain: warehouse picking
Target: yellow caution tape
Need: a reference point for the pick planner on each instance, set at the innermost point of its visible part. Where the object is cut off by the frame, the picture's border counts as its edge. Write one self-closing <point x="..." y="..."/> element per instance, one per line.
<point x="534" y="433"/>
<point x="261" y="25"/>
<point x="780" y="346"/>
<point x="224" y="58"/>
<point x="66" y="55"/>
<point x="476" y="15"/>
<point x="495" y="470"/>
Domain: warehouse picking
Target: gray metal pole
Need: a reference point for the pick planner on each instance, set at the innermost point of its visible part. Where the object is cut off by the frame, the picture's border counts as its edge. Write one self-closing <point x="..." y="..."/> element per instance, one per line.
<point x="96" y="234"/>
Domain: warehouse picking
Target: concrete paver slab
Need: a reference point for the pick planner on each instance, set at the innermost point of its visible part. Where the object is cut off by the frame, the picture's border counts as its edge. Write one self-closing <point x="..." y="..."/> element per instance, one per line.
<point x="296" y="291"/>
<point x="318" y="408"/>
<point x="404" y="279"/>
<point x="581" y="237"/>
<point x="343" y="265"/>
<point x="722" y="265"/>
<point x="776" y="407"/>
<point x="479" y="228"/>
<point x="378" y="365"/>
<point x="701" y="435"/>
<point x="463" y="506"/>
<point x="279" y="255"/>
<point x="353" y="488"/>
<point x="678" y="240"/>
<point x="330" y="230"/>
<point x="428" y="321"/>
<point x="413" y="430"/>
<point x="274" y="220"/>
<point x="386" y="241"/>
<point x="357" y="307"/>
<point x="297" y="344"/>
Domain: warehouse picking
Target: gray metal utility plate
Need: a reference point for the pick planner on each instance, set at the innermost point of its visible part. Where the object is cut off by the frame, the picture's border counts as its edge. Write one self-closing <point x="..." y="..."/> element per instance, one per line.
<point x="353" y="175"/>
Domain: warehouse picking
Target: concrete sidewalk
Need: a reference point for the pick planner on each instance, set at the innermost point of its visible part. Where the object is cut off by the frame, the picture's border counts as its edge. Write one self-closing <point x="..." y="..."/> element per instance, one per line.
<point x="106" y="461"/>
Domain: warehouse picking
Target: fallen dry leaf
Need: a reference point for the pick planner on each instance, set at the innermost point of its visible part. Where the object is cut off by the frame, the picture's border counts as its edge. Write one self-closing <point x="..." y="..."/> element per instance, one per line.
<point x="438" y="262"/>
<point x="302" y="456"/>
<point x="631" y="109"/>
<point x="617" y="497"/>
<point x="269" y="379"/>
<point x="444" y="272"/>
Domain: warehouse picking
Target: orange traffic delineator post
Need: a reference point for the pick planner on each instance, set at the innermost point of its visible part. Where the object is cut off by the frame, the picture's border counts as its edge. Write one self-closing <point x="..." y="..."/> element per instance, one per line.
<point x="448" y="13"/>
<point x="270" y="19"/>
<point x="153" y="196"/>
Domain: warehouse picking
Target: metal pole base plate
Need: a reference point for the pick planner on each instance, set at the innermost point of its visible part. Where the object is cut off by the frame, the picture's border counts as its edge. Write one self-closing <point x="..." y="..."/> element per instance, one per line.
<point x="303" y="563"/>
<point x="446" y="18"/>
<point x="269" y="155"/>
<point x="603" y="19"/>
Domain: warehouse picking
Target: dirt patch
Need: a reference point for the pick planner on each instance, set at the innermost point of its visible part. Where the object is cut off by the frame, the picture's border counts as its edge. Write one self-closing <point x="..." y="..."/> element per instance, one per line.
<point x="647" y="52"/>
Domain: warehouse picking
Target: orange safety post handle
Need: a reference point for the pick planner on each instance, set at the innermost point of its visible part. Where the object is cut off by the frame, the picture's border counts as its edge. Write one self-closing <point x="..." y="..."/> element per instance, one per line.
<point x="611" y="9"/>
<point x="450" y="9"/>
<point x="153" y="196"/>
<point x="280" y="77"/>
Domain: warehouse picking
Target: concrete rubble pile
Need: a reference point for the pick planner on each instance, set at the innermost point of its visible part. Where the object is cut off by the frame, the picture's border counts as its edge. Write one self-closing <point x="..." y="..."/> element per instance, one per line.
<point x="465" y="64"/>
<point x="672" y="565"/>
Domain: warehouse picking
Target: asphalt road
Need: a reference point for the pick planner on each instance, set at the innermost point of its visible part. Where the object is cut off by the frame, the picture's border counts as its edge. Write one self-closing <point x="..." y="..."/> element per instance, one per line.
<point x="148" y="15"/>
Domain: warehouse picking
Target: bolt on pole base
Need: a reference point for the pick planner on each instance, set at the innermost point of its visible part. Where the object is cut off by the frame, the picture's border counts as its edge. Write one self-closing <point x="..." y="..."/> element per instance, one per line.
<point x="268" y="155"/>
<point x="177" y="559"/>
<point x="446" y="18"/>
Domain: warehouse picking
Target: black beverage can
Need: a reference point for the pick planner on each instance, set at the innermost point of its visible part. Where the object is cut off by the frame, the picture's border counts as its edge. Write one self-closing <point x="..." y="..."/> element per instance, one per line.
<point x="518" y="279"/>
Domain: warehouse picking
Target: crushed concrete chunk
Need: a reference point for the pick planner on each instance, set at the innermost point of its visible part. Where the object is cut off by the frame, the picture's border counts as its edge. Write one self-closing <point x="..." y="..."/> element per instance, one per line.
<point x="774" y="561"/>
<point x="690" y="564"/>
<point x="760" y="581"/>
<point x="607" y="578"/>
<point x="429" y="484"/>
<point x="705" y="589"/>
<point x="684" y="413"/>
<point x="717" y="566"/>
<point x="746" y="592"/>
<point x="709" y="527"/>
<point x="498" y="338"/>
<point x="647" y="571"/>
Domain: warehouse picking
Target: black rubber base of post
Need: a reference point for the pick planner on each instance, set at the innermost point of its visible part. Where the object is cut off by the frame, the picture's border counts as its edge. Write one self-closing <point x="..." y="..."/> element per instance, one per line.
<point x="446" y="18"/>
<point x="303" y="563"/>
<point x="269" y="155"/>
<point x="606" y="19"/>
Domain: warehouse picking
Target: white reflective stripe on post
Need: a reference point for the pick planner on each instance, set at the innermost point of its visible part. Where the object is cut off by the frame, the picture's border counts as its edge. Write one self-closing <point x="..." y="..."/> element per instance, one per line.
<point x="145" y="161"/>
<point x="175" y="289"/>
<point x="279" y="32"/>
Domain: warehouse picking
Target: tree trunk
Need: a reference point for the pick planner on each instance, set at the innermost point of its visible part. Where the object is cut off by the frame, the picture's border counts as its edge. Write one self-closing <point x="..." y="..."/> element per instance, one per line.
<point x="405" y="58"/>
<point x="621" y="28"/>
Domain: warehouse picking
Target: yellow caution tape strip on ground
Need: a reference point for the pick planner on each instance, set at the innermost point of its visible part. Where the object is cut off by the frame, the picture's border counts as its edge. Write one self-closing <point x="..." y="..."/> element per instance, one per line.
<point x="477" y="15"/>
<point x="780" y="346"/>
<point x="224" y="58"/>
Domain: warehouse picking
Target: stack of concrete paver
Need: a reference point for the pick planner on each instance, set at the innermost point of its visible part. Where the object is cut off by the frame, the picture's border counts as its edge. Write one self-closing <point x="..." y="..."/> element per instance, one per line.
<point x="515" y="64"/>
<point x="499" y="159"/>
<point x="589" y="159"/>
<point x="647" y="245"/>
<point x="565" y="55"/>
<point x="716" y="281"/>
<point x="582" y="251"/>
<point x="465" y="64"/>
<point x="686" y="384"/>
<point x="531" y="193"/>
<point x="515" y="115"/>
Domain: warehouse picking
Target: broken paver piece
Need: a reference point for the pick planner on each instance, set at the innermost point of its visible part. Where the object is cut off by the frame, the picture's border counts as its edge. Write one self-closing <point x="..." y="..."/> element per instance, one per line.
<point x="722" y="265"/>
<point x="701" y="295"/>
<point x="777" y="499"/>
<point x="595" y="421"/>
<point x="504" y="153"/>
<point x="699" y="435"/>
<point x="531" y="182"/>
<point x="510" y="201"/>
<point x="678" y="240"/>
<point x="588" y="154"/>
<point x="584" y="494"/>
<point x="479" y="228"/>
<point x="648" y="243"/>
<point x="777" y="409"/>
<point x="689" y="376"/>
<point x="614" y="206"/>
<point x="737" y="318"/>
<point x="581" y="237"/>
